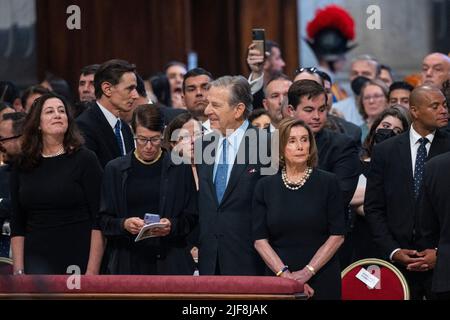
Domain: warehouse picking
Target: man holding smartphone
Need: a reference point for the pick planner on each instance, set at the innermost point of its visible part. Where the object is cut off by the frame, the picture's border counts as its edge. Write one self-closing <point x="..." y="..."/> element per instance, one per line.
<point x="263" y="67"/>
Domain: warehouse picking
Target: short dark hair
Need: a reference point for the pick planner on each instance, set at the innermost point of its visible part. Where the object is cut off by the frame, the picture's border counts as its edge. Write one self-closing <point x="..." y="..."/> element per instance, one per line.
<point x="161" y="88"/>
<point x="8" y="92"/>
<point x="387" y="68"/>
<point x="271" y="44"/>
<point x="400" y="85"/>
<point x="37" y="89"/>
<point x="195" y="73"/>
<point x="174" y="63"/>
<point x="4" y="106"/>
<point x="18" y="119"/>
<point x="325" y="76"/>
<point x="177" y="123"/>
<point x="111" y="71"/>
<point x="277" y="75"/>
<point x="148" y="116"/>
<point x="90" y="69"/>
<point x="140" y="86"/>
<point x="304" y="88"/>
<point x="255" y="114"/>
<point x="32" y="143"/>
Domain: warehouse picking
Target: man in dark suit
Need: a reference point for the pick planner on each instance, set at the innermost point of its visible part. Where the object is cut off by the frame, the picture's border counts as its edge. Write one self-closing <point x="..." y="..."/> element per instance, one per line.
<point x="394" y="182"/>
<point x="434" y="214"/>
<point x="228" y="171"/>
<point x="103" y="131"/>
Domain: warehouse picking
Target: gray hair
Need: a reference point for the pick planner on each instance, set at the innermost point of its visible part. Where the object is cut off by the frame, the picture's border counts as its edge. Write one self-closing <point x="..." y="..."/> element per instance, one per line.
<point x="240" y="91"/>
<point x="368" y="57"/>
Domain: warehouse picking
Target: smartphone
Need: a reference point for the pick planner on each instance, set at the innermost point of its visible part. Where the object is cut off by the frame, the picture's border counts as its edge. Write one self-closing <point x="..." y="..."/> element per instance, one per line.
<point x="151" y="218"/>
<point x="259" y="39"/>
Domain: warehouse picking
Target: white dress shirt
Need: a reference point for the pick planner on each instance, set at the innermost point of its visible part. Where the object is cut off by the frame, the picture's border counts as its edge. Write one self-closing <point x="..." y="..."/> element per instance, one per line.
<point x="233" y="143"/>
<point x="112" y="120"/>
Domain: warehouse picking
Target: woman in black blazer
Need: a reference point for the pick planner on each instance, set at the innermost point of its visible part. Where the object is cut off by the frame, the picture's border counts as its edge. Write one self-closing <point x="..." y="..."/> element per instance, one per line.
<point x="147" y="181"/>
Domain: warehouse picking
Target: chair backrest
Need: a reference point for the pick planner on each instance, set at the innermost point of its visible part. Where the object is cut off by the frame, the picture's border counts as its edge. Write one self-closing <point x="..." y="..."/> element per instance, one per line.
<point x="6" y="266"/>
<point x="392" y="284"/>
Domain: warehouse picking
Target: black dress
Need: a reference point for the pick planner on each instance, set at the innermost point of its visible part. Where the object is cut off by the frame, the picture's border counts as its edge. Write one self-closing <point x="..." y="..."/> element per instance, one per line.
<point x="297" y="223"/>
<point x="55" y="206"/>
<point x="142" y="193"/>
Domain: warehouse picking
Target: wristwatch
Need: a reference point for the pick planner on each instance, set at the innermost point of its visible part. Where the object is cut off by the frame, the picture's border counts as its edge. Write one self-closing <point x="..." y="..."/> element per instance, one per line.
<point x="18" y="272"/>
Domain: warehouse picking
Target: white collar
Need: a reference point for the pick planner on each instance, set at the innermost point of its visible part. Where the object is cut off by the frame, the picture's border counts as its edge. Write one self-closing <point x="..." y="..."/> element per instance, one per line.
<point x="414" y="136"/>
<point x="110" y="117"/>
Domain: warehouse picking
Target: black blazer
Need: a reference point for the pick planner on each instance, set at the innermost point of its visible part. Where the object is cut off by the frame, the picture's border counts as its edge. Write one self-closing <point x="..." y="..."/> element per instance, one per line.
<point x="226" y="228"/>
<point x="389" y="202"/>
<point x="99" y="136"/>
<point x="177" y="203"/>
<point x="434" y="213"/>
<point x="339" y="154"/>
<point x="348" y="128"/>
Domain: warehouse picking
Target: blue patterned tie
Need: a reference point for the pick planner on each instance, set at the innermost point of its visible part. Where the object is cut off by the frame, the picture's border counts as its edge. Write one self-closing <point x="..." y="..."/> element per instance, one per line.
<point x="117" y="129"/>
<point x="221" y="173"/>
<point x="420" y="165"/>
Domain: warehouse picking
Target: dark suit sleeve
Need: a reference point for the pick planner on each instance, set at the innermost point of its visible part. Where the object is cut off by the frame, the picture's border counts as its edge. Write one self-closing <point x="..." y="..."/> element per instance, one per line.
<point x="347" y="168"/>
<point x="335" y="214"/>
<point x="91" y="178"/>
<point x="183" y="224"/>
<point x="259" y="213"/>
<point x="109" y="220"/>
<point x="88" y="135"/>
<point x="427" y="213"/>
<point x="19" y="214"/>
<point x="375" y="205"/>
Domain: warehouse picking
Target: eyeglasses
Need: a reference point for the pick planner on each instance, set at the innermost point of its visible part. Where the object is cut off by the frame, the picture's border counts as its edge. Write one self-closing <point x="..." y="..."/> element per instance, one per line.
<point x="312" y="70"/>
<point x="188" y="137"/>
<point x="10" y="138"/>
<point x="374" y="97"/>
<point x="155" y="141"/>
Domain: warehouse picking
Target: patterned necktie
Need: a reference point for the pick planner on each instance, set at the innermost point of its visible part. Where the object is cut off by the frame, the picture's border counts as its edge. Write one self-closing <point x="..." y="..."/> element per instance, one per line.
<point x="221" y="173"/>
<point x="420" y="165"/>
<point x="117" y="129"/>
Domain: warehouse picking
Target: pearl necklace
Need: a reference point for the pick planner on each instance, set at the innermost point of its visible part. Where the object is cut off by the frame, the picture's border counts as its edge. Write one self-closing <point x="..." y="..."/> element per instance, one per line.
<point x="52" y="155"/>
<point x="295" y="185"/>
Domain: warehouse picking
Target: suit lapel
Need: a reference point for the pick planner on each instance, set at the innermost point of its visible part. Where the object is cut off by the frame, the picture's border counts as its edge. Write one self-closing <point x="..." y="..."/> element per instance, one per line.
<point x="238" y="169"/>
<point x="127" y="137"/>
<point x="439" y="145"/>
<point x="405" y="162"/>
<point x="210" y="145"/>
<point x="106" y="130"/>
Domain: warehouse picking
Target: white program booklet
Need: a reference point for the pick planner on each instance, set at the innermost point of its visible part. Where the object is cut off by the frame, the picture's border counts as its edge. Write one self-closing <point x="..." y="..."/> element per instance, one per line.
<point x="146" y="231"/>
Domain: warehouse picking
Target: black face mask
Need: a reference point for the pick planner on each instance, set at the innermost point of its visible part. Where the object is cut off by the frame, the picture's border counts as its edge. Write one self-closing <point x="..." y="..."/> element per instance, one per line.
<point x="383" y="134"/>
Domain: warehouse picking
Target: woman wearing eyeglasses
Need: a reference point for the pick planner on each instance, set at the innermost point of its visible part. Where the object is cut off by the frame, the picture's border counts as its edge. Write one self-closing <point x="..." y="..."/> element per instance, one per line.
<point x="373" y="101"/>
<point x="147" y="181"/>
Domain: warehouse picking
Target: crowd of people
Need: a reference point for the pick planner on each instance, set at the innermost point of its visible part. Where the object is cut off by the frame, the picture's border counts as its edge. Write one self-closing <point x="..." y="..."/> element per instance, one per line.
<point x="270" y="175"/>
